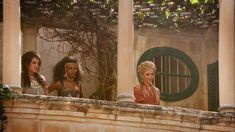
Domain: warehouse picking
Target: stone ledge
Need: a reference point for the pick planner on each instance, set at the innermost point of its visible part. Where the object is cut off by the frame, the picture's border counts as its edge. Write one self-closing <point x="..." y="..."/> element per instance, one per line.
<point x="59" y="109"/>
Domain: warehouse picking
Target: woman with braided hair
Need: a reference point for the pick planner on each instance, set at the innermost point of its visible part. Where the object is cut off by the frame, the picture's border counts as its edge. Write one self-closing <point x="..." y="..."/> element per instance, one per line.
<point x="67" y="78"/>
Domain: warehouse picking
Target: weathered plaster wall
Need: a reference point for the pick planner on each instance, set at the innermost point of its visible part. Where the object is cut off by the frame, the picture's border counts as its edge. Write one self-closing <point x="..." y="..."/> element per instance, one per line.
<point x="31" y="113"/>
<point x="209" y="55"/>
<point x="201" y="46"/>
<point x="29" y="38"/>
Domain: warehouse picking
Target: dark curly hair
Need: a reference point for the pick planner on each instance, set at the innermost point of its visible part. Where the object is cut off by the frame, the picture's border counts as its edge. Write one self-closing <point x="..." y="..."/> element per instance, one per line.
<point x="59" y="70"/>
<point x="25" y="62"/>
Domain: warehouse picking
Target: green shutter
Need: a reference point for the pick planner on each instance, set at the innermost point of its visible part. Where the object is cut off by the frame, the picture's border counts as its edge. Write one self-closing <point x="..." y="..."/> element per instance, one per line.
<point x="213" y="86"/>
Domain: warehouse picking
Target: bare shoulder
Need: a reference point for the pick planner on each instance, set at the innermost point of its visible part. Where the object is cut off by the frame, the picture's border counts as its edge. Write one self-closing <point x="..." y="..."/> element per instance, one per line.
<point x="156" y="89"/>
<point x="43" y="78"/>
<point x="137" y="90"/>
<point x="56" y="84"/>
<point x="137" y="87"/>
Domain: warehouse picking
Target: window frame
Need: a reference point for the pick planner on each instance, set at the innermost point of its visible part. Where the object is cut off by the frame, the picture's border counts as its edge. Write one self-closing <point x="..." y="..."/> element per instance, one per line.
<point x="158" y="51"/>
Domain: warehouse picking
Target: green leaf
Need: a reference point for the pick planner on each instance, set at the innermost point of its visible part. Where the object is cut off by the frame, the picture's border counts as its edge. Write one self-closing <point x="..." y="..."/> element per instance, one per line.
<point x="150" y="1"/>
<point x="167" y="14"/>
<point x="194" y="1"/>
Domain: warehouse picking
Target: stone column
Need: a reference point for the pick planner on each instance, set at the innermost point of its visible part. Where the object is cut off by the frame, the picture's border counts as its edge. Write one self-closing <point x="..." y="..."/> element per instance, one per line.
<point x="29" y="39"/>
<point x="11" y="44"/>
<point x="125" y="81"/>
<point x="1" y="46"/>
<point x="226" y="57"/>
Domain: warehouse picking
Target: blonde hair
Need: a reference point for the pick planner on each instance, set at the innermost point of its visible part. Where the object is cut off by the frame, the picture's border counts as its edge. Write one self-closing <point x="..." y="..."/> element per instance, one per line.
<point x="144" y="66"/>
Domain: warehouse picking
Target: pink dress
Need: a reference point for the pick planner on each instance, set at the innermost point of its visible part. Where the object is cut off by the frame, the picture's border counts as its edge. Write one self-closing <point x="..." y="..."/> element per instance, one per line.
<point x="145" y="95"/>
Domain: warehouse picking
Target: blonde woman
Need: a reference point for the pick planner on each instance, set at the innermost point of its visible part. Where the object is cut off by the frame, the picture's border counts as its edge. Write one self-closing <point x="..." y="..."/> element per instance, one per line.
<point x="146" y="92"/>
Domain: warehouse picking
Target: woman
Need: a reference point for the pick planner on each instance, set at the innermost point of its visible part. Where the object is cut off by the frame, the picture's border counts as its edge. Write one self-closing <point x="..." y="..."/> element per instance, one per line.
<point x="32" y="81"/>
<point x="67" y="78"/>
<point x="146" y="92"/>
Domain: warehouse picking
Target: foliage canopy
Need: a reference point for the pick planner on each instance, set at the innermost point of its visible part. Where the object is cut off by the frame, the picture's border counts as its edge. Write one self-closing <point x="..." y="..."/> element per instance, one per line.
<point x="157" y="13"/>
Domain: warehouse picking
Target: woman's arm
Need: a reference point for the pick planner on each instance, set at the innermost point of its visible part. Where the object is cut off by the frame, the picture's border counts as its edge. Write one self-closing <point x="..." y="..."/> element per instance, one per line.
<point x="54" y="86"/>
<point x="157" y="95"/>
<point x="45" y="88"/>
<point x="44" y="84"/>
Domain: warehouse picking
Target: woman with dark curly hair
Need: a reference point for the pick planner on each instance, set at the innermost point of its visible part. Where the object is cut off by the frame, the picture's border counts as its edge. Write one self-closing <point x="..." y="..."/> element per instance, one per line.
<point x="67" y="78"/>
<point x="32" y="81"/>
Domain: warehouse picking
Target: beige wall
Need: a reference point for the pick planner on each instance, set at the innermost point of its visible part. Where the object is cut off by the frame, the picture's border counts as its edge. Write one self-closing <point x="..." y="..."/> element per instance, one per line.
<point x="209" y="55"/>
<point x="201" y="46"/>
<point x="29" y="38"/>
<point x="30" y="113"/>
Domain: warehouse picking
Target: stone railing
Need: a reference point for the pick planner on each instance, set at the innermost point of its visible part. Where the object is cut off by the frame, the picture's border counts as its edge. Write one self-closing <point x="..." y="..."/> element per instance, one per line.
<point x="31" y="113"/>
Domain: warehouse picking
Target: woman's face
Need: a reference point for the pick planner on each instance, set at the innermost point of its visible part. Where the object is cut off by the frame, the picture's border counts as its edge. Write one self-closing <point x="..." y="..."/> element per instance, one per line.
<point x="71" y="70"/>
<point x="34" y="66"/>
<point x="148" y="76"/>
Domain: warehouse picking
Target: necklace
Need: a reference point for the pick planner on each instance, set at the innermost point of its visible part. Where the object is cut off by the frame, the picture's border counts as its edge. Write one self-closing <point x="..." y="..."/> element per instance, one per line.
<point x="35" y="84"/>
<point x="69" y="78"/>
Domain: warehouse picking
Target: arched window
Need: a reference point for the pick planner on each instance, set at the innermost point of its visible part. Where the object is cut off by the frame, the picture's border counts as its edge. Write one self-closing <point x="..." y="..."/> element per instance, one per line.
<point x="177" y="76"/>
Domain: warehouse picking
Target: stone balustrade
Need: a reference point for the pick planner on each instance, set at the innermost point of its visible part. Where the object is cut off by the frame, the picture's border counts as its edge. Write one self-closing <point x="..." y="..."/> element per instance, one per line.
<point x="32" y="113"/>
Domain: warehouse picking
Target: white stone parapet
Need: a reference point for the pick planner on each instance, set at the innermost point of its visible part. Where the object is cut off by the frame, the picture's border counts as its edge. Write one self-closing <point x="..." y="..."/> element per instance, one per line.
<point x="35" y="113"/>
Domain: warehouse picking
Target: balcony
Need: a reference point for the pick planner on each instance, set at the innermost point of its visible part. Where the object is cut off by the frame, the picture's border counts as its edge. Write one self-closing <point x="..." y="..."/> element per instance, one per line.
<point x="35" y="113"/>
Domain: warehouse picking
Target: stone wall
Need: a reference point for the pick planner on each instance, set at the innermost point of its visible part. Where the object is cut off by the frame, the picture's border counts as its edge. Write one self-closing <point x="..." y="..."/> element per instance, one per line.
<point x="31" y="113"/>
